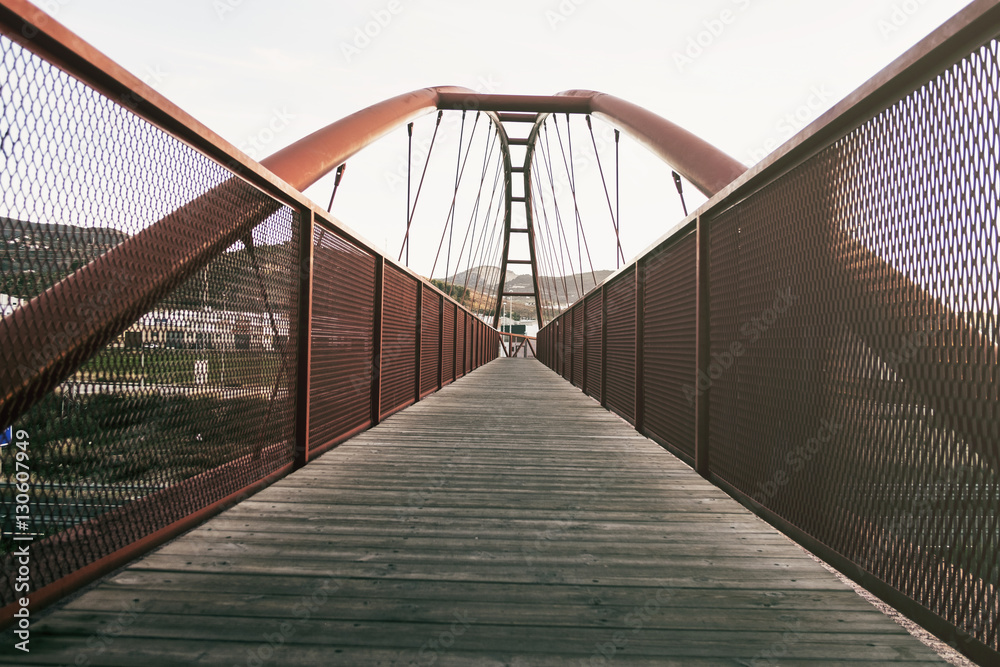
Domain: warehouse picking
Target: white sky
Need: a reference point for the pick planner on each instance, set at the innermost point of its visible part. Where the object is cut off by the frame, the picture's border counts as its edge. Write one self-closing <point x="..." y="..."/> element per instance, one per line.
<point x="266" y="72"/>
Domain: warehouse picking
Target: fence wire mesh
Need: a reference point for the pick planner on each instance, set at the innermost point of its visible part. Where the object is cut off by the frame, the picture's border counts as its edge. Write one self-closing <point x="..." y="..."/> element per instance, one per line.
<point x="190" y="403"/>
<point x="855" y="303"/>
<point x="852" y="385"/>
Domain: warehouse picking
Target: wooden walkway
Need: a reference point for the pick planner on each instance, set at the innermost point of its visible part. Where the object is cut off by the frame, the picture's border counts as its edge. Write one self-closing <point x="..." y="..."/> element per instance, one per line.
<point x="506" y="520"/>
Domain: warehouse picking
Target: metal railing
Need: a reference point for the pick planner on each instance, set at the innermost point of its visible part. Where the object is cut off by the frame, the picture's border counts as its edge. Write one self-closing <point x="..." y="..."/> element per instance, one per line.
<point x="820" y="339"/>
<point x="180" y="327"/>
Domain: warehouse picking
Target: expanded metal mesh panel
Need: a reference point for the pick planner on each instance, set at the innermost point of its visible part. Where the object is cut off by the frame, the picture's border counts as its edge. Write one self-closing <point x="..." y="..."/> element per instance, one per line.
<point x="578" y="356"/>
<point x="621" y="345"/>
<point x="470" y="343"/>
<point x="448" y="343"/>
<point x="854" y="338"/>
<point x="342" y="338"/>
<point x="191" y="403"/>
<point x="193" y="399"/>
<point x="558" y="349"/>
<point x="461" y="326"/>
<point x="669" y="344"/>
<point x="593" y="323"/>
<point x="566" y="322"/>
<point x="430" y="338"/>
<point x="74" y="163"/>
<point x="399" y="363"/>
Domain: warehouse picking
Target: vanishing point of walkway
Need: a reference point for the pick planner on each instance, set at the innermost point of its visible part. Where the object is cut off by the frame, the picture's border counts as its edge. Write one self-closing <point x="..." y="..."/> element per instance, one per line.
<point x="506" y="520"/>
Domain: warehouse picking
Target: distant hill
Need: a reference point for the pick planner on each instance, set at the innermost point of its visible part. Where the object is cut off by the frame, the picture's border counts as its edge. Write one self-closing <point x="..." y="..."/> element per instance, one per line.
<point x="524" y="306"/>
<point x="573" y="282"/>
<point x="36" y="255"/>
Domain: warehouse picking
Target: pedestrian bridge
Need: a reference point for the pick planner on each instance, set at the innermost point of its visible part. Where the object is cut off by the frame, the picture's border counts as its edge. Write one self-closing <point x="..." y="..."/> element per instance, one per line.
<point x="243" y="434"/>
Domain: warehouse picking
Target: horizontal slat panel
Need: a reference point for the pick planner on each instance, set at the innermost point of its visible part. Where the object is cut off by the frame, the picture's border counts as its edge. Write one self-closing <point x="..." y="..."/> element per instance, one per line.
<point x="594" y="324"/>
<point x="621" y="345"/>
<point x="577" y="348"/>
<point x="342" y="328"/>
<point x="399" y="315"/>
<point x="429" y="340"/>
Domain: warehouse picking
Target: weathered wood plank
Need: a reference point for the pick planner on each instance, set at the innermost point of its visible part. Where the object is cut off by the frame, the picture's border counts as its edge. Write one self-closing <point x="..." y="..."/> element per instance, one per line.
<point x="506" y="520"/>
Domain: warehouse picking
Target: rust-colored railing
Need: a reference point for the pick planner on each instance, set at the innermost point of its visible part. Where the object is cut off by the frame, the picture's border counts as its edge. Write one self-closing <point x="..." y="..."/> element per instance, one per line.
<point x="820" y="338"/>
<point x="181" y="326"/>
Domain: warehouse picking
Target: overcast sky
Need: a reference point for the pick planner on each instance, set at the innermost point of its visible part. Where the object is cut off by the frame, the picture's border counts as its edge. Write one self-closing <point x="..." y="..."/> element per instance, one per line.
<point x="742" y="74"/>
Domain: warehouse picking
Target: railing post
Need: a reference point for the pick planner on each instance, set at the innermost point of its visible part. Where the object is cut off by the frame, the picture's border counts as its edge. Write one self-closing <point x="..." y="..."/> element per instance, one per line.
<point x="604" y="346"/>
<point x="376" y="392"/>
<point x="640" y="360"/>
<point x="702" y="349"/>
<point x="304" y="338"/>
<point x="418" y="340"/>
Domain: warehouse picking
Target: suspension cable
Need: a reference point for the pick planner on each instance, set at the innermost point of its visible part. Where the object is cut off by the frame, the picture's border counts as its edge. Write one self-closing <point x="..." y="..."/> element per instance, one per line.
<point x="471" y="227"/>
<point x="680" y="191"/>
<point x="460" y="171"/>
<point x="476" y="248"/>
<point x="336" y="184"/>
<point x="618" y="203"/>
<point x="607" y="195"/>
<point x="409" y="169"/>
<point x="492" y="250"/>
<point x="571" y="172"/>
<point x="556" y="262"/>
<point x="451" y="213"/>
<point x="420" y="187"/>
<point x="560" y="230"/>
<point x="544" y="256"/>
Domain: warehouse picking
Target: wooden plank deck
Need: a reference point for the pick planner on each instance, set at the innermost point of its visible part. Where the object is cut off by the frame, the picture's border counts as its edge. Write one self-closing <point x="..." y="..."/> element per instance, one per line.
<point x="506" y="520"/>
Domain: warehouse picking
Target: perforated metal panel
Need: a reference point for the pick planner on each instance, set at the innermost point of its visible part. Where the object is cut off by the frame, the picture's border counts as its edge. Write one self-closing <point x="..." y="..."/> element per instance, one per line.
<point x="461" y="326"/>
<point x="621" y="345"/>
<point x="669" y="344"/>
<point x="593" y="324"/>
<point x="399" y="322"/>
<point x="430" y="340"/>
<point x="566" y="323"/>
<point x="341" y="341"/>
<point x="448" y="352"/>
<point x="577" y="335"/>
